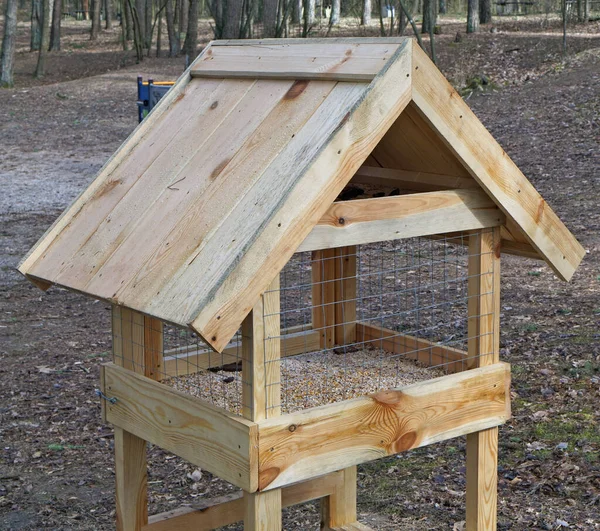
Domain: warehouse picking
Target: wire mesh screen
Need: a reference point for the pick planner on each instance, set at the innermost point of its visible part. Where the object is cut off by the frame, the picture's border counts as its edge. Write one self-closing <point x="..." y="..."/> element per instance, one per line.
<point x="178" y="357"/>
<point x="357" y="320"/>
<point x="340" y="323"/>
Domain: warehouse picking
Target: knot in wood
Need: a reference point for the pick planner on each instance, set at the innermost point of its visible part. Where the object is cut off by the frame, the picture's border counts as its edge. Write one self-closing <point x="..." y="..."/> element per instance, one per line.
<point x="292" y="428"/>
<point x="341" y="221"/>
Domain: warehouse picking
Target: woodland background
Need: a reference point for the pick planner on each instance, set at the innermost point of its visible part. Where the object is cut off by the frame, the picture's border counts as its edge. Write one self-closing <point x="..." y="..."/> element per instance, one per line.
<point x="60" y="122"/>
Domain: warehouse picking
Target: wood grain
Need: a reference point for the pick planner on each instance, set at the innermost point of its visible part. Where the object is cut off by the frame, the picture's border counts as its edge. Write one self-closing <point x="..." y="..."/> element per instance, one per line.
<point x="460" y="130"/>
<point x="419" y="181"/>
<point x="323" y="269"/>
<point x="205" y="435"/>
<point x="430" y="354"/>
<point x="339" y="508"/>
<point x="406" y="216"/>
<point x="218" y="512"/>
<point x="351" y="62"/>
<point x="356" y="431"/>
<point x="484" y="350"/>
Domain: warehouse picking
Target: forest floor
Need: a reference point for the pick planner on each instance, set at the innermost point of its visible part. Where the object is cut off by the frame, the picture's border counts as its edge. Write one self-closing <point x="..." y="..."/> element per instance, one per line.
<point x="56" y="467"/>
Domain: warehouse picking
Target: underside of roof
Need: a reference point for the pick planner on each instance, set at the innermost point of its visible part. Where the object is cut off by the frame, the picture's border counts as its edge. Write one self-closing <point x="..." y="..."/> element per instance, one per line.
<point x="208" y="199"/>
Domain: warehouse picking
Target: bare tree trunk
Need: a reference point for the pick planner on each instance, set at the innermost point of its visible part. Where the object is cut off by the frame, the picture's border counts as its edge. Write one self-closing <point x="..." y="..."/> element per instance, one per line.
<point x="172" y="31"/>
<point x="366" y="13"/>
<point x="36" y="25"/>
<point x="140" y="15"/>
<point x="184" y="7"/>
<point x="8" y="44"/>
<point x="107" y="14"/>
<point x="55" y="30"/>
<point x="85" y="6"/>
<point x="564" y="26"/>
<point x="485" y="11"/>
<point x="43" y="51"/>
<point x="429" y="15"/>
<point x="310" y="15"/>
<point x="473" y="16"/>
<point x="147" y="22"/>
<point x="296" y="11"/>
<point x="232" y="18"/>
<point x="269" y="17"/>
<point x="96" y="5"/>
<point x="442" y="7"/>
<point x="159" y="33"/>
<point x="128" y="21"/>
<point x="335" y="12"/>
<point x="191" y="39"/>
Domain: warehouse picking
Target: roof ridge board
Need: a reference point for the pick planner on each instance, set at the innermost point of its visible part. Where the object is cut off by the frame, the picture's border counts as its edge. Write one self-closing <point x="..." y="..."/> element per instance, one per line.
<point x="219" y="316"/>
<point x="300" y="41"/>
<point x="50" y="235"/>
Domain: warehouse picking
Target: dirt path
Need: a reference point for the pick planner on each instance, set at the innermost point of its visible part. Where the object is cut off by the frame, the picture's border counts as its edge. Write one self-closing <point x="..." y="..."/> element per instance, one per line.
<point x="56" y="458"/>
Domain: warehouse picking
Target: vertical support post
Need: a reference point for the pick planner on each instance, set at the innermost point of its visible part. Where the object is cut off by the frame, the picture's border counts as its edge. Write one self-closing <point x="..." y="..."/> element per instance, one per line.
<point x="484" y="347"/>
<point x="345" y="295"/>
<point x="323" y="295"/>
<point x="261" y="394"/>
<point x="137" y="346"/>
<point x="339" y="508"/>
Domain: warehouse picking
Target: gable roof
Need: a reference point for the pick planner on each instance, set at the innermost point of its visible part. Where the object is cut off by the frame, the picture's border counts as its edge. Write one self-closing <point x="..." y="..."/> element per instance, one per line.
<point x="207" y="200"/>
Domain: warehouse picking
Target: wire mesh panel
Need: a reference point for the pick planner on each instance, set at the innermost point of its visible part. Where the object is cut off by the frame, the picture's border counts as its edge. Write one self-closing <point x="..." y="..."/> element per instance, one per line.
<point x="357" y="320"/>
<point x="347" y="322"/>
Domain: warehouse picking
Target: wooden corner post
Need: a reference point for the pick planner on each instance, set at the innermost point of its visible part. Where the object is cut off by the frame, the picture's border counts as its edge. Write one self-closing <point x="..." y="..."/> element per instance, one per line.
<point x="137" y="346"/>
<point x="484" y="346"/>
<point x="334" y="315"/>
<point x="261" y="395"/>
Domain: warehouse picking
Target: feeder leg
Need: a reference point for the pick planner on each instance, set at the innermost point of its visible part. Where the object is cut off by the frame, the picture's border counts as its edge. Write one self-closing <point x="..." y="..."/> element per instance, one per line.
<point x="482" y="480"/>
<point x="130" y="471"/>
<point x="339" y="508"/>
<point x="484" y="347"/>
<point x="262" y="511"/>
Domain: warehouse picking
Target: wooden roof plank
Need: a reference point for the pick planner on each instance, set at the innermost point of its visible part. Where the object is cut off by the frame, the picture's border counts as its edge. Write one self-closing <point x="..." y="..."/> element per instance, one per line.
<point x="316" y="176"/>
<point x="205" y="212"/>
<point x="150" y="127"/>
<point x="107" y="218"/>
<point x="487" y="162"/>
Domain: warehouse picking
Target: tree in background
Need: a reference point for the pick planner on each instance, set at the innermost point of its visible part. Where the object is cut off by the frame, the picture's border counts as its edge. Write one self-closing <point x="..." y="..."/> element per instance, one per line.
<point x="107" y="14"/>
<point x="8" y="44"/>
<point x="429" y="15"/>
<point x="96" y="5"/>
<point x="335" y="12"/>
<point x="191" y="39"/>
<point x="485" y="11"/>
<point x="40" y="70"/>
<point x="36" y="25"/>
<point x="365" y="18"/>
<point x="55" y="29"/>
<point x="472" y="16"/>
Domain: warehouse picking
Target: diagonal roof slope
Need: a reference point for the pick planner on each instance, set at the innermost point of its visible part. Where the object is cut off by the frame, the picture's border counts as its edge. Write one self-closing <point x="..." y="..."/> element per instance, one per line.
<point x="208" y="199"/>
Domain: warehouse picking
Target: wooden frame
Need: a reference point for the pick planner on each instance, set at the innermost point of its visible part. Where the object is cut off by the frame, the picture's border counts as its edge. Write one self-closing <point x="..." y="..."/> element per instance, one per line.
<point x="406" y="216"/>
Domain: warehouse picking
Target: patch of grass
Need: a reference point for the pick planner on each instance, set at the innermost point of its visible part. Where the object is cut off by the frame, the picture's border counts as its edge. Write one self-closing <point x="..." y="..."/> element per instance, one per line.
<point x="59" y="447"/>
<point x="534" y="273"/>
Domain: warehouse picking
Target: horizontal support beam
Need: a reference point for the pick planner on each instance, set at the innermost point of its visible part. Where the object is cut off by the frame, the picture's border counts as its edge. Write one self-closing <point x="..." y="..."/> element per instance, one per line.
<point x="411" y="180"/>
<point x="426" y="352"/>
<point x="302" y="445"/>
<point x="190" y="359"/>
<point x="405" y="216"/>
<point x="229" y="509"/>
<point x="204" y="435"/>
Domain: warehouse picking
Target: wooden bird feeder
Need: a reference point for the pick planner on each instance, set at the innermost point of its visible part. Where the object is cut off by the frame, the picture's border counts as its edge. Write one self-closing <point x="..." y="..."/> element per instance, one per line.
<point x="297" y="230"/>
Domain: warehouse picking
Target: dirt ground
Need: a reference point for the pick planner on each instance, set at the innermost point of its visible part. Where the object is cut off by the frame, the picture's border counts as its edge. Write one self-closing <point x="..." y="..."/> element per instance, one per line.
<point x="56" y="468"/>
